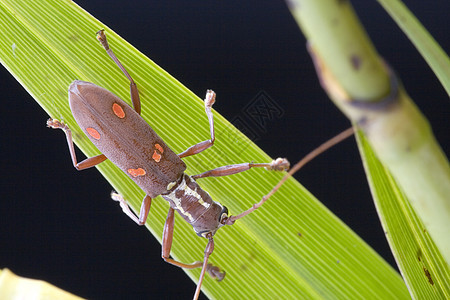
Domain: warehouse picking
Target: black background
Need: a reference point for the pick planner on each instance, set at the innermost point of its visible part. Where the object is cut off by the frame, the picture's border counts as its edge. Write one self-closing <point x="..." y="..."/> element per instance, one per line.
<point x="237" y="48"/>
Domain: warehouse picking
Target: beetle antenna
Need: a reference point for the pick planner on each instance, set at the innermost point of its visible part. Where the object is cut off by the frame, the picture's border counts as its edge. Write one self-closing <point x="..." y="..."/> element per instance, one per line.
<point x="319" y="150"/>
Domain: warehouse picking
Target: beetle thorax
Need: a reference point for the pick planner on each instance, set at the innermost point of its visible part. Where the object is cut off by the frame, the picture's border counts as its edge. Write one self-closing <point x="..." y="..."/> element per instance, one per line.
<point x="195" y="205"/>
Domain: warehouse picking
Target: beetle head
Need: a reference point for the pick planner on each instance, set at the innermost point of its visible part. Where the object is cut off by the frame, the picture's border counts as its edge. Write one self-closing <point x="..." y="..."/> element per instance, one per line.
<point x="214" y="224"/>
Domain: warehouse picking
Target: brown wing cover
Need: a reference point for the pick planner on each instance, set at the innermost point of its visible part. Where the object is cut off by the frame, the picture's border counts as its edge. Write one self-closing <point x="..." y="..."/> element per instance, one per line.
<point x="127" y="140"/>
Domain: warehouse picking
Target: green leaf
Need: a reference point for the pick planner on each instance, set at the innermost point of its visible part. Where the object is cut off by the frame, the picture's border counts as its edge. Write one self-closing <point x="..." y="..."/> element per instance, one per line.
<point x="292" y="248"/>
<point x="434" y="55"/>
<point x="418" y="258"/>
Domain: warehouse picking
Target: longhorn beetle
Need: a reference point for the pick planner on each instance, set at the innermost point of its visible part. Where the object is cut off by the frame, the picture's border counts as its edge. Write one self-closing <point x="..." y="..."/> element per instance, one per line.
<point x="122" y="136"/>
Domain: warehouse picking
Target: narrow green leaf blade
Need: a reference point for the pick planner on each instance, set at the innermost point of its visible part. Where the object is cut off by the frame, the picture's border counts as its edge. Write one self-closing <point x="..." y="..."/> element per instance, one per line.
<point x="418" y="258"/>
<point x="434" y="55"/>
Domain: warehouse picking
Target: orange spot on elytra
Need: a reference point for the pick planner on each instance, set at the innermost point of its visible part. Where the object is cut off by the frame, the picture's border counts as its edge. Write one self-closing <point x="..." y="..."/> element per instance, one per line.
<point x="156" y="156"/>
<point x="136" y="172"/>
<point x="159" y="148"/>
<point x="94" y="133"/>
<point x="118" y="110"/>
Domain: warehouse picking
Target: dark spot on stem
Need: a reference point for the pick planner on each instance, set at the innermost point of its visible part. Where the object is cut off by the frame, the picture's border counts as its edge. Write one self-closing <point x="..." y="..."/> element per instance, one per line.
<point x="356" y="61"/>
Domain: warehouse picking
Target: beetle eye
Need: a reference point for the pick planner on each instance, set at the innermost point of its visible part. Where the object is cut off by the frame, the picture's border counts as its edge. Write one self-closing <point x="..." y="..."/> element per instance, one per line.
<point x="223" y="215"/>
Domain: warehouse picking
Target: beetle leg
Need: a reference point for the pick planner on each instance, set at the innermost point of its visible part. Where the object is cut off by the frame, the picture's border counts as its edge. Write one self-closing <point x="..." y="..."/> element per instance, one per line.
<point x="133" y="88"/>
<point x="279" y="164"/>
<point x="85" y="164"/>
<point x="210" y="98"/>
<point x="167" y="245"/>
<point x="208" y="250"/>
<point x="143" y="214"/>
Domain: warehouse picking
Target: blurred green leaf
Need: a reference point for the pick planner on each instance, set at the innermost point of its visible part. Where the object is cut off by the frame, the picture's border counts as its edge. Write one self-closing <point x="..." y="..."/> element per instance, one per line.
<point x="431" y="51"/>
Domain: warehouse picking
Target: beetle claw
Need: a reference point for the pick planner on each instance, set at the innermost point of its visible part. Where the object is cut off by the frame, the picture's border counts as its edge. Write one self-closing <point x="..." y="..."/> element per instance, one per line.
<point x="210" y="98"/>
<point x="279" y="164"/>
<point x="56" y="124"/>
<point x="215" y="272"/>
<point x="101" y="37"/>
